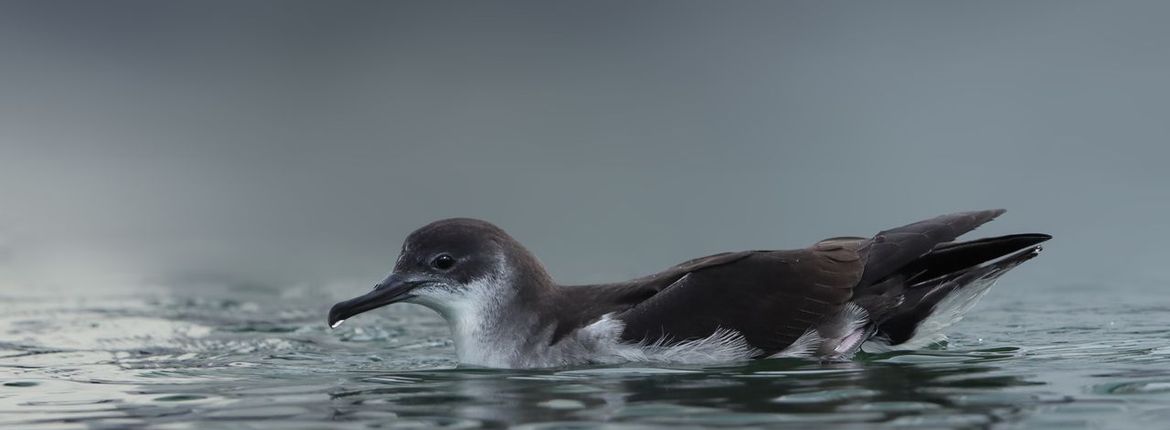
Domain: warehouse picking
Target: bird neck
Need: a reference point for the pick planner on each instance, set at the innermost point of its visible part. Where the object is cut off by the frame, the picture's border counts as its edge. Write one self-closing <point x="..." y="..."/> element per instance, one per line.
<point x="502" y="319"/>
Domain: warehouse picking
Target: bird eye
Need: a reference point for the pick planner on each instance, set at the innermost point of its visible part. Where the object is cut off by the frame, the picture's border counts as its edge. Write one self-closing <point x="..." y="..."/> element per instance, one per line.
<point x="443" y="262"/>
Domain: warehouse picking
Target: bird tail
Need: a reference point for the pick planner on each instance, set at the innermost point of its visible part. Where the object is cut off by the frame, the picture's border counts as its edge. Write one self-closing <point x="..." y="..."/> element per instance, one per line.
<point x="943" y="285"/>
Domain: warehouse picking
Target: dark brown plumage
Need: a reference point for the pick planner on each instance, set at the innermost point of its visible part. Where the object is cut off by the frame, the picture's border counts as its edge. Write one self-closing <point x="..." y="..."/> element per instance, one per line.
<point x="773" y="297"/>
<point x="823" y="300"/>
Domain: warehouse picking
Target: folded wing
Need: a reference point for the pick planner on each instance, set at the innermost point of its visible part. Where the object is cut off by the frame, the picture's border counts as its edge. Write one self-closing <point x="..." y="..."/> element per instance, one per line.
<point x="773" y="298"/>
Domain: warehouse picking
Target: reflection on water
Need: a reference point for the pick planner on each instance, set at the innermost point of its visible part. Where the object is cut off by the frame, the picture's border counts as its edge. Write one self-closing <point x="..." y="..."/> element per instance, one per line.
<point x="267" y="361"/>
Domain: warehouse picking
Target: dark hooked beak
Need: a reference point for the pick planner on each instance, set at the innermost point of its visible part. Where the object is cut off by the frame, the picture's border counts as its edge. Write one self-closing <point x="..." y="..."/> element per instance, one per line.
<point x="392" y="290"/>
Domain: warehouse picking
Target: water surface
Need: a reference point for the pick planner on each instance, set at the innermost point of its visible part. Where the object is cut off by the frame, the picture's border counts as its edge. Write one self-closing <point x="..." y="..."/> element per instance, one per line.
<point x="1027" y="357"/>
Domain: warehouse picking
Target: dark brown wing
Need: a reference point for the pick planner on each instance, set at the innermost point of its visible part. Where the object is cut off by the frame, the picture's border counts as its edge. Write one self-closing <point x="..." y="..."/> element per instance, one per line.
<point x="891" y="250"/>
<point x="586" y="303"/>
<point x="770" y="297"/>
<point x="773" y="297"/>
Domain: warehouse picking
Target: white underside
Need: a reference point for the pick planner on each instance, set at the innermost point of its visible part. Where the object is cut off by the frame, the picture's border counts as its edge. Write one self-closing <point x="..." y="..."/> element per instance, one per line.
<point x="720" y="347"/>
<point x="600" y="343"/>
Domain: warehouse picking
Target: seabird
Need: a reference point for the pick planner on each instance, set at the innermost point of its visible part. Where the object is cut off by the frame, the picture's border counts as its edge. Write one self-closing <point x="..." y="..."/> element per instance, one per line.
<point x="899" y="289"/>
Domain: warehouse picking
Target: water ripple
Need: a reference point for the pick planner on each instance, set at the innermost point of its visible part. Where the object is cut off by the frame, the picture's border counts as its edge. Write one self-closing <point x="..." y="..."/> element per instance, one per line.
<point x="267" y="362"/>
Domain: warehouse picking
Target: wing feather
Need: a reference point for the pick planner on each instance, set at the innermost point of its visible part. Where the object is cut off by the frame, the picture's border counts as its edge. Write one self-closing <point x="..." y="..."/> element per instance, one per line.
<point x="773" y="298"/>
<point x="770" y="297"/>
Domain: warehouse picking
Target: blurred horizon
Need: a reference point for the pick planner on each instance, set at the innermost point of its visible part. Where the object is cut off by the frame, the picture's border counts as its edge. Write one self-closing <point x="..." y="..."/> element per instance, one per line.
<point x="274" y="144"/>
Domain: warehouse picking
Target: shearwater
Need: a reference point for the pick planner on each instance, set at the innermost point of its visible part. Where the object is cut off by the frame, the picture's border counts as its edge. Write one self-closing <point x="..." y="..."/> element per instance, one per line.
<point x="899" y="289"/>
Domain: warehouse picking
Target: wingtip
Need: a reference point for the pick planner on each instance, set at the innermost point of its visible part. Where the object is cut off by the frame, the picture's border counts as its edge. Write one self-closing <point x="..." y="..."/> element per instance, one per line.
<point x="995" y="213"/>
<point x="983" y="215"/>
<point x="1032" y="238"/>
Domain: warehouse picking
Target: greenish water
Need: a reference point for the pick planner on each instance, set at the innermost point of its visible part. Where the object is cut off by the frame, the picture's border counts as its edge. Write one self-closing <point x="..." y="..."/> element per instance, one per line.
<point x="1027" y="357"/>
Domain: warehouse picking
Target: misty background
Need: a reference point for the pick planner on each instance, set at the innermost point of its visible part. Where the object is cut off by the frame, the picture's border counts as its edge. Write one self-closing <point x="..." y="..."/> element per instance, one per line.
<point x="189" y="145"/>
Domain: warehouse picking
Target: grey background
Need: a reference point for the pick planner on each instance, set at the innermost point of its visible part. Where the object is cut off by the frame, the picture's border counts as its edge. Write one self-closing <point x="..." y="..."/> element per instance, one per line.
<point x="272" y="144"/>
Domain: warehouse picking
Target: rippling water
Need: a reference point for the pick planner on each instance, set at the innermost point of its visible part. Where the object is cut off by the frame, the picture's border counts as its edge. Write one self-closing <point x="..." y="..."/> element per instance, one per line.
<point x="264" y="359"/>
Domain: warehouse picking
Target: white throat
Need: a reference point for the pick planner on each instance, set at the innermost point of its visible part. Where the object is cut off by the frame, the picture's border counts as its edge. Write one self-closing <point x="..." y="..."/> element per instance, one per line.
<point x="477" y="317"/>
